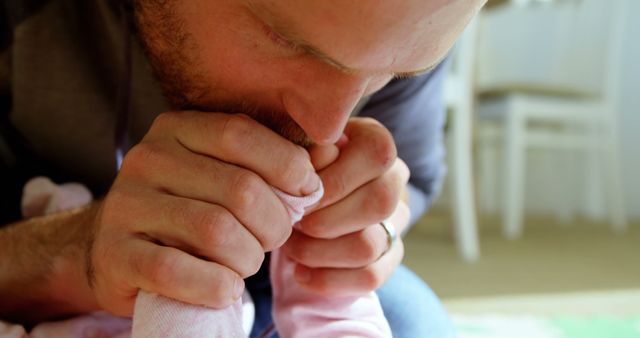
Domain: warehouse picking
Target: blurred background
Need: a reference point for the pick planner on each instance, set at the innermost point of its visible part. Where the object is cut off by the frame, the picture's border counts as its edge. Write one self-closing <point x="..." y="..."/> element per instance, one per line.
<point x="537" y="230"/>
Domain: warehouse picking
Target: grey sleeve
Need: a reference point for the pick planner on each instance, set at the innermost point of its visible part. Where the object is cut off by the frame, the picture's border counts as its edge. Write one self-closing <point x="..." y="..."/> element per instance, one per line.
<point x="413" y="110"/>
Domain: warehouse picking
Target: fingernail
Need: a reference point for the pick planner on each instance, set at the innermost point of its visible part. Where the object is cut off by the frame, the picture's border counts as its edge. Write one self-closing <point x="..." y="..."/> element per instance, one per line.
<point x="312" y="184"/>
<point x="238" y="288"/>
<point x="302" y="274"/>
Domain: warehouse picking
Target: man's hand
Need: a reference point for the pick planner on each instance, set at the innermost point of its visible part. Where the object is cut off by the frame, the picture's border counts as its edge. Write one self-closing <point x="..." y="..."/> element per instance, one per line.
<point x="191" y="212"/>
<point x="339" y="245"/>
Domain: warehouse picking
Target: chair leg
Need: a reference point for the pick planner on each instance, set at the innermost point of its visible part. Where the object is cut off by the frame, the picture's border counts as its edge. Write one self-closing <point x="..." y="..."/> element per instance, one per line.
<point x="595" y="177"/>
<point x="487" y="149"/>
<point x="514" y="158"/>
<point x="561" y="184"/>
<point x="463" y="193"/>
<point x="613" y="179"/>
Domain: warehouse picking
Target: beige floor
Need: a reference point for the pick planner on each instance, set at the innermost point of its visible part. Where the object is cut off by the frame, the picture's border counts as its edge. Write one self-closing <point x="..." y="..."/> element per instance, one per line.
<point x="550" y="258"/>
<point x="587" y="303"/>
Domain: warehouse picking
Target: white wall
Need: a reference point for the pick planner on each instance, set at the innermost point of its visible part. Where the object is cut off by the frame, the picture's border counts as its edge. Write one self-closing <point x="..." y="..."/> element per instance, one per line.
<point x="630" y="113"/>
<point x="557" y="180"/>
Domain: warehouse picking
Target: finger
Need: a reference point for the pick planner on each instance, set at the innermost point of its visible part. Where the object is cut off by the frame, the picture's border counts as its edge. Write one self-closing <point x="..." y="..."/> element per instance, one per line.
<point x="342" y="141"/>
<point x="374" y="201"/>
<point x="344" y="282"/>
<point x="174" y="274"/>
<point x="322" y="156"/>
<point x="204" y="230"/>
<point x="370" y="146"/>
<point x="354" y="250"/>
<point x="245" y="194"/>
<point x="240" y="140"/>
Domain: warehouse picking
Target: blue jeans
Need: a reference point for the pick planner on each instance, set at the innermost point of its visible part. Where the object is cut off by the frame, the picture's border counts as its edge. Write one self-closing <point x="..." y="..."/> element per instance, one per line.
<point x="412" y="309"/>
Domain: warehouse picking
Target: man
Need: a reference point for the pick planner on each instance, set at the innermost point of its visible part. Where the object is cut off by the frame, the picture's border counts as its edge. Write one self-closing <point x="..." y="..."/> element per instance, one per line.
<point x="191" y="213"/>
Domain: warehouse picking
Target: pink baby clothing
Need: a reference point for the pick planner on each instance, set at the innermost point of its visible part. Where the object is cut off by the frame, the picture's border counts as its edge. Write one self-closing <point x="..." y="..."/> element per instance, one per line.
<point x="93" y="325"/>
<point x="8" y="330"/>
<point x="300" y="313"/>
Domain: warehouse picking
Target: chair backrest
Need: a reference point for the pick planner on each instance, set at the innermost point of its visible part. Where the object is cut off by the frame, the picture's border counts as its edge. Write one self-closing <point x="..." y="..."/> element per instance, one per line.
<point x="561" y="47"/>
<point x="597" y="44"/>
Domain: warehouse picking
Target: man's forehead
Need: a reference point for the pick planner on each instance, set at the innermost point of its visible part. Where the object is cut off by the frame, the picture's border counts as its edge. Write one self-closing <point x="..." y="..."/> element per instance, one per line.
<point x="370" y="36"/>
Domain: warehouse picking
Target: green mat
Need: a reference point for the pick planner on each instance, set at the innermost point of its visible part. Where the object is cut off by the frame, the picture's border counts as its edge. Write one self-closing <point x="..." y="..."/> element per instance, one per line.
<point x="521" y="326"/>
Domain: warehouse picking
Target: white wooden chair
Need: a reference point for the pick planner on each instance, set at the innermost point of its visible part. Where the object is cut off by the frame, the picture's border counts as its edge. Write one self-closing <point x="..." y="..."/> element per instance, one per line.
<point x="555" y="70"/>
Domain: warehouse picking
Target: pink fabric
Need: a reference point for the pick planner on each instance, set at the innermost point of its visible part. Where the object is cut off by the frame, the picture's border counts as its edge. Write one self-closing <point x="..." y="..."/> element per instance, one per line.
<point x="297" y="312"/>
<point x="95" y="325"/>
<point x="158" y="316"/>
<point x="40" y="196"/>
<point x="8" y="330"/>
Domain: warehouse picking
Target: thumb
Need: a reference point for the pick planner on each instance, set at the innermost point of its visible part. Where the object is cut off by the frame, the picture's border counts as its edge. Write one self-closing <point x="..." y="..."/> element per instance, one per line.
<point x="323" y="156"/>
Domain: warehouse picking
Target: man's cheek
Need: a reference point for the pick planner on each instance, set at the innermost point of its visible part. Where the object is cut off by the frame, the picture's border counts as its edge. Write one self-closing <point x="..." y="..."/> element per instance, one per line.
<point x="377" y="83"/>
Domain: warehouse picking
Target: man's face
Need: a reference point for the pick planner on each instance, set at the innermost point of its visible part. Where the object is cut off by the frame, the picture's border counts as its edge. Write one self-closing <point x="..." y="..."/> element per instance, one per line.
<point x="297" y="66"/>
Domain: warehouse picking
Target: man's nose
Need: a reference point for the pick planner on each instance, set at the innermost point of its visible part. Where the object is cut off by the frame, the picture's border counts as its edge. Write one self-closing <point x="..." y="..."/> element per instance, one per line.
<point x="322" y="105"/>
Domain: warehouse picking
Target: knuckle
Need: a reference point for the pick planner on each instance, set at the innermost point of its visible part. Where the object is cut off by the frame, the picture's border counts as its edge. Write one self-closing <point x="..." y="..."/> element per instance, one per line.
<point x="167" y="122"/>
<point x="295" y="166"/>
<point x="236" y="131"/>
<point x="162" y="271"/>
<point x="383" y="149"/>
<point x="254" y="264"/>
<point x="368" y="250"/>
<point x="221" y="290"/>
<point x="315" y="229"/>
<point x="384" y="153"/>
<point x="276" y="239"/>
<point x="247" y="188"/>
<point x="384" y="199"/>
<point x="143" y="156"/>
<point x="371" y="278"/>
<point x="159" y="124"/>
<point x="212" y="226"/>
<point x="164" y="119"/>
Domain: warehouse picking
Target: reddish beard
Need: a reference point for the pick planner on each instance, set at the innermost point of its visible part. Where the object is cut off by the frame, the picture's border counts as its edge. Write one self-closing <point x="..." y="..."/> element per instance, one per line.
<point x="173" y="52"/>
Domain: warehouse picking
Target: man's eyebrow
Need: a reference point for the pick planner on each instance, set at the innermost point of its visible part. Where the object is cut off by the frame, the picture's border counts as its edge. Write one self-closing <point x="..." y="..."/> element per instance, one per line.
<point x="308" y="48"/>
<point x="417" y="72"/>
